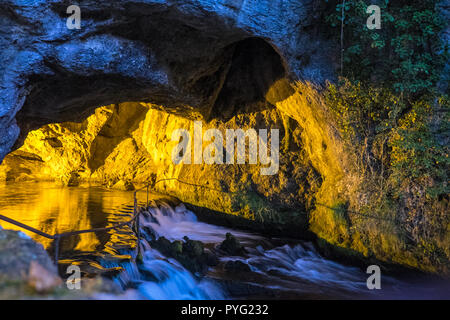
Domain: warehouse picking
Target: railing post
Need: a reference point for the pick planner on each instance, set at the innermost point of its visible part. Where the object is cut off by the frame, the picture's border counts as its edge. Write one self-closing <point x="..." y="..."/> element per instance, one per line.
<point x="57" y="249"/>
<point x="137" y="226"/>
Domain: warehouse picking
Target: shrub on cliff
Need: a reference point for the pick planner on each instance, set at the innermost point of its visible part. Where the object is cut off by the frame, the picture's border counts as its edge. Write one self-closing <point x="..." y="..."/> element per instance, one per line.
<point x="393" y="115"/>
<point x="406" y="53"/>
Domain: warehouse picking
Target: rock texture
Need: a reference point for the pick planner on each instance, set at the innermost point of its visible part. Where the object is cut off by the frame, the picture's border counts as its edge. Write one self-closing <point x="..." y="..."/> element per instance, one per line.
<point x="27" y="272"/>
<point x="132" y="142"/>
<point x="198" y="58"/>
<point x="18" y="252"/>
<point x="226" y="62"/>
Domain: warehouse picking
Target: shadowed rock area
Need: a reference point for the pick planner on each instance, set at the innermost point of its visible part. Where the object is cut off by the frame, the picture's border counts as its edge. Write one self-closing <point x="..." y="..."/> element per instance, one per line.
<point x="196" y="58"/>
<point x="100" y="104"/>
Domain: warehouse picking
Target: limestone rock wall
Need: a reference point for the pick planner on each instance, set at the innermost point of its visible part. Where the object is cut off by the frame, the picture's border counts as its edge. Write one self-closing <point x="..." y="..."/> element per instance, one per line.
<point x="225" y="62"/>
<point x="198" y="58"/>
<point x="133" y="142"/>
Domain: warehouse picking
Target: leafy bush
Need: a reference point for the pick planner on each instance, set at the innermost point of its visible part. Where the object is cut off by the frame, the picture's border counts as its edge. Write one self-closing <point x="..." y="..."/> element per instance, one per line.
<point x="406" y="54"/>
<point x="395" y="123"/>
<point x="388" y="96"/>
<point x="420" y="147"/>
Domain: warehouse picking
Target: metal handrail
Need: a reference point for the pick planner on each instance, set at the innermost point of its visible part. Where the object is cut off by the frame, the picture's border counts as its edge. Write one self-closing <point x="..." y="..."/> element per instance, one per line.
<point x="57" y="237"/>
<point x="135" y="219"/>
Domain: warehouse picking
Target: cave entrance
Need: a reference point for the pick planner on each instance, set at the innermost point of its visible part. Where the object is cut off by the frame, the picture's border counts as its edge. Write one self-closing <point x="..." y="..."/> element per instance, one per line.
<point x="254" y="68"/>
<point x="245" y="76"/>
<point x="127" y="145"/>
<point x="117" y="130"/>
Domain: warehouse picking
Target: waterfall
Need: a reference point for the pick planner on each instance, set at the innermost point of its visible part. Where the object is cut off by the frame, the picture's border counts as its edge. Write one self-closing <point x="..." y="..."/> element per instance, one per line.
<point x="298" y="268"/>
<point x="158" y="277"/>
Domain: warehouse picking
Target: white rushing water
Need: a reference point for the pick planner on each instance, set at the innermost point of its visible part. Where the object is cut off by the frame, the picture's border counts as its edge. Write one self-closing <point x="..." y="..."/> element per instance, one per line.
<point x="297" y="268"/>
<point x="281" y="267"/>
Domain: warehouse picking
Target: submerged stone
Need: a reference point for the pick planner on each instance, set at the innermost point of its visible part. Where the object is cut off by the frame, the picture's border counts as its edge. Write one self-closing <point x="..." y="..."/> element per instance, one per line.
<point x="232" y="246"/>
<point x="190" y="253"/>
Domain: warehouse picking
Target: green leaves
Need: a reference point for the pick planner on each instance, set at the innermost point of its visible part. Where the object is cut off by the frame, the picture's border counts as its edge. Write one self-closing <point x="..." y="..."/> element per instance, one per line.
<point x="416" y="150"/>
<point x="405" y="54"/>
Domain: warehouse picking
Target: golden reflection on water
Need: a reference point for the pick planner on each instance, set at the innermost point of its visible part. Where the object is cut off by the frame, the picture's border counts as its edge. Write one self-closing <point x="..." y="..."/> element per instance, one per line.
<point x="53" y="209"/>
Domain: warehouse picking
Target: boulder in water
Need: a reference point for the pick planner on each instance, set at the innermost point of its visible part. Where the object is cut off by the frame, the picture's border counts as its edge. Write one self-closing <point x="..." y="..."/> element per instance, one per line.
<point x="193" y="248"/>
<point x="190" y="253"/>
<point x="232" y="246"/>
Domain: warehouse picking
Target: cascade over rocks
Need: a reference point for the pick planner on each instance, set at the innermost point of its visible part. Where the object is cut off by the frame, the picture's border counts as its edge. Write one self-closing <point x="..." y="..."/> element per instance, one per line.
<point x="157" y="65"/>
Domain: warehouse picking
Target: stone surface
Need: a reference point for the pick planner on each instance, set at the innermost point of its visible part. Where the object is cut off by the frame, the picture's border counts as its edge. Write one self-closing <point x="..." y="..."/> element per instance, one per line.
<point x="27" y="272"/>
<point x="41" y="280"/>
<point x="124" y="185"/>
<point x="236" y="266"/>
<point x="25" y="267"/>
<point x="232" y="246"/>
<point x="18" y="252"/>
<point x="132" y="142"/>
<point x="190" y="253"/>
<point x="198" y="58"/>
<point x="226" y="62"/>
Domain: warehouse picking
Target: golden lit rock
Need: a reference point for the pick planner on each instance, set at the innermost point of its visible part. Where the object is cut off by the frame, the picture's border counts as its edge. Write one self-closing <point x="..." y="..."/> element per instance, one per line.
<point x="130" y="144"/>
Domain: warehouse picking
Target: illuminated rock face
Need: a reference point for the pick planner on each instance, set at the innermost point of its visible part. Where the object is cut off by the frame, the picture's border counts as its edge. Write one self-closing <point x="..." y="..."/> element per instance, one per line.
<point x="132" y="142"/>
<point x="198" y="58"/>
<point x="221" y="61"/>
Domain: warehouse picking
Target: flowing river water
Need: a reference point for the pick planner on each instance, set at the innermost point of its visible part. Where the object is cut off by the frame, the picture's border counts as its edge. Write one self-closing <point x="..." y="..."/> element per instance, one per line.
<point x="275" y="268"/>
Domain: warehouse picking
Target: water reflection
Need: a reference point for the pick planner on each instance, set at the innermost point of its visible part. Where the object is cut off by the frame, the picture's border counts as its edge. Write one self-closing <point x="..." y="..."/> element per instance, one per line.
<point x="275" y="268"/>
<point x="53" y="209"/>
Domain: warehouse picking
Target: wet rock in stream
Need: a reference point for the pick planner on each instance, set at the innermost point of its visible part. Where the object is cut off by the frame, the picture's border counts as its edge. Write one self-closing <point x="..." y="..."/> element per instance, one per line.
<point x="190" y="253"/>
<point x="232" y="246"/>
<point x="236" y="266"/>
<point x="28" y="272"/>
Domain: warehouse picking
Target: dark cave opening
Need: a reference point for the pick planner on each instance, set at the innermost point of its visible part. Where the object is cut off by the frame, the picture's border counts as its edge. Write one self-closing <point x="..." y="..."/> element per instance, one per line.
<point x="236" y="81"/>
<point x="254" y="68"/>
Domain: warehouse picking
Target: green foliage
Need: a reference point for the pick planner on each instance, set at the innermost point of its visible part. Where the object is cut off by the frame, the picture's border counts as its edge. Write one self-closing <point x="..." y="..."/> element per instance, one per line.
<point x="416" y="137"/>
<point x="366" y="116"/>
<point x="405" y="54"/>
<point x="362" y="111"/>
<point x="401" y="151"/>
<point x="389" y="91"/>
<point x="395" y="123"/>
<point x="420" y="147"/>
